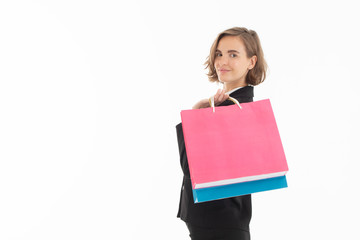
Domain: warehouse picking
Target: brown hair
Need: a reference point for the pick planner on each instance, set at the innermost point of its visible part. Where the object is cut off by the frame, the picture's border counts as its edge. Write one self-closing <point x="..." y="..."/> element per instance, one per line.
<point x="252" y="44"/>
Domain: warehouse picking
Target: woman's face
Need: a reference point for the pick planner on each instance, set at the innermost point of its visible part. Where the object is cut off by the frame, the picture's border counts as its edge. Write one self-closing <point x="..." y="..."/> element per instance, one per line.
<point x="231" y="61"/>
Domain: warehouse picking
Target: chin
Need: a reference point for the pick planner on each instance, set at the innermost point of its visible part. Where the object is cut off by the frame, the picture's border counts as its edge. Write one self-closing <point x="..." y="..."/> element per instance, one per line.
<point x="224" y="80"/>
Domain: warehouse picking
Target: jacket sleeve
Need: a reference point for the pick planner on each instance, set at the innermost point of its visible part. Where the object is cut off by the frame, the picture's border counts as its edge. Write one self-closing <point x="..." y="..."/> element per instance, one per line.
<point x="182" y="150"/>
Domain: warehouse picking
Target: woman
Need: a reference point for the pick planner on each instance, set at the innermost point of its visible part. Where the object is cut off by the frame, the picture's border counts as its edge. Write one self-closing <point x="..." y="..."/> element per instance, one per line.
<point x="237" y="61"/>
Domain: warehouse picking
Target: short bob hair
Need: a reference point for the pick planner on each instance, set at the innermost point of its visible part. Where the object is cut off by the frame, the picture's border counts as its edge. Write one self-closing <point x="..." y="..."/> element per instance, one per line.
<point x="252" y="44"/>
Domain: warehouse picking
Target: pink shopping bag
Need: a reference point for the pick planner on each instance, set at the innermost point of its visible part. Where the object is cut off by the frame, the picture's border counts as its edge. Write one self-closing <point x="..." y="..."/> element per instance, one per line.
<point x="232" y="145"/>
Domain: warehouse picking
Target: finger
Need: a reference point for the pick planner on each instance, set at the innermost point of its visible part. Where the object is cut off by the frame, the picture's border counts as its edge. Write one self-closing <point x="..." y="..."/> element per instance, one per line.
<point x="226" y="96"/>
<point x="221" y="96"/>
<point x="216" y="96"/>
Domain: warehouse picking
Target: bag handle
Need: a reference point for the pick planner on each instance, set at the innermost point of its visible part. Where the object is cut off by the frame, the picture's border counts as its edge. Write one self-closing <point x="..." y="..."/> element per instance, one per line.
<point x="212" y="102"/>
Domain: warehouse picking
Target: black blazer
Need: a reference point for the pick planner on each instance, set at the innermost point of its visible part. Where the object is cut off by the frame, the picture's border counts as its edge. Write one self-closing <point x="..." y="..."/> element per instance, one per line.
<point x="226" y="213"/>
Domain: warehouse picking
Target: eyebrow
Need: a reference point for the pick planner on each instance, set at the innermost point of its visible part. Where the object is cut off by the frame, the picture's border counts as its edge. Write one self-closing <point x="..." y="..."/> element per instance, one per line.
<point x="230" y="51"/>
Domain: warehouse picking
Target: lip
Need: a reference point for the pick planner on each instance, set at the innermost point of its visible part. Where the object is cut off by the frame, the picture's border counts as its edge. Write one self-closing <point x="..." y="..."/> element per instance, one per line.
<point x="223" y="70"/>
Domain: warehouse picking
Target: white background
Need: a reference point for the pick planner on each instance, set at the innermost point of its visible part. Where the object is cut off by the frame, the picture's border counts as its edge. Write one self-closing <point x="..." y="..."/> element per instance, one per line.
<point x="91" y="91"/>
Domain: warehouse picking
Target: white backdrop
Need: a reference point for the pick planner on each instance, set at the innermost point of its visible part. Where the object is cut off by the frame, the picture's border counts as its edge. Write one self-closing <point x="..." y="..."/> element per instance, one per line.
<point x="91" y="91"/>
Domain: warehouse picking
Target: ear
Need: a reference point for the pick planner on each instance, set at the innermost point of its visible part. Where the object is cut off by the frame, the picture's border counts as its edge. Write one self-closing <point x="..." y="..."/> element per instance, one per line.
<point x="253" y="61"/>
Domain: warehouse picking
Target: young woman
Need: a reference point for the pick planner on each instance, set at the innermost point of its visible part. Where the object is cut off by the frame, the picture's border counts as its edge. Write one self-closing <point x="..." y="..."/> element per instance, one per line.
<point x="237" y="61"/>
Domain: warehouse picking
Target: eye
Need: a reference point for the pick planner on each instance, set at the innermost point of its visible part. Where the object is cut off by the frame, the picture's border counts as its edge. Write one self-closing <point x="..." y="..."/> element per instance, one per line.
<point x="218" y="54"/>
<point x="233" y="55"/>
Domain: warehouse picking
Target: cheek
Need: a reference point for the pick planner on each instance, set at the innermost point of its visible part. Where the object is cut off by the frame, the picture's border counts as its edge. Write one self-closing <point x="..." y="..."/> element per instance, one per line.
<point x="236" y="65"/>
<point x="239" y="65"/>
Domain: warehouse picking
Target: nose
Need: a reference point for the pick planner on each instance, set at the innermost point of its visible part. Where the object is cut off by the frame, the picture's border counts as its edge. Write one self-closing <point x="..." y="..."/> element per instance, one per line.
<point x="221" y="61"/>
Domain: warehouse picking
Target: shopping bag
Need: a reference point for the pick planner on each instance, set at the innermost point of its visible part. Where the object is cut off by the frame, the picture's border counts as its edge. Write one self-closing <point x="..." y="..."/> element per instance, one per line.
<point x="238" y="189"/>
<point x="233" y="150"/>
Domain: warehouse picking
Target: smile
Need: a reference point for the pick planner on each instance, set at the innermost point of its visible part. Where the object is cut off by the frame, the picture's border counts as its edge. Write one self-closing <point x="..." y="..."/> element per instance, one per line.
<point x="223" y="70"/>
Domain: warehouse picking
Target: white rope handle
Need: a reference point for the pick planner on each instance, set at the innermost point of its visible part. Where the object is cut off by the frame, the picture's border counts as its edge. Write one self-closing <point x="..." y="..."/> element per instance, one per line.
<point x="212" y="102"/>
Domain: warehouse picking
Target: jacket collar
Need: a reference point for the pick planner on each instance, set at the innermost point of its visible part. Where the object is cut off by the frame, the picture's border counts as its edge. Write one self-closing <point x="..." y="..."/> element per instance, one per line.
<point x="244" y="94"/>
<point x="247" y="91"/>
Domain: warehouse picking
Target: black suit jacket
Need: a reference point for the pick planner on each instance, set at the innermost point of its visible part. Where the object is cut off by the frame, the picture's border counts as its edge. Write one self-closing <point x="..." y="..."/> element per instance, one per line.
<point x="226" y="213"/>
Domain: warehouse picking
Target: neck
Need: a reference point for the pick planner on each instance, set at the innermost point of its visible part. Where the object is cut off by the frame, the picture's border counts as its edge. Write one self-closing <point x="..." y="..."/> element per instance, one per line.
<point x="230" y="86"/>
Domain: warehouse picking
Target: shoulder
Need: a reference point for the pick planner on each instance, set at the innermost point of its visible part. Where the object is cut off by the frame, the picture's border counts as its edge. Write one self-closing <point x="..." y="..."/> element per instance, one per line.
<point x="243" y="95"/>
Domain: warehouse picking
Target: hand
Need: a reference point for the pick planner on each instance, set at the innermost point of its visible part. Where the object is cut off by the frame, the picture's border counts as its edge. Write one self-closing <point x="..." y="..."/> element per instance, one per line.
<point x="219" y="97"/>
